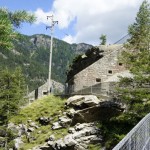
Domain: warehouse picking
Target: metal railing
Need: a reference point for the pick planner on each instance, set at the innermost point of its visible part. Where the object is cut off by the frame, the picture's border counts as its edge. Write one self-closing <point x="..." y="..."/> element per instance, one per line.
<point x="138" y="138"/>
<point x="104" y="88"/>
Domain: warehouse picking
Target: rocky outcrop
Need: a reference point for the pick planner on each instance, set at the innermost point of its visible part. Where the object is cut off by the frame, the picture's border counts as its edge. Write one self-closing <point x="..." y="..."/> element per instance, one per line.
<point x="82" y="135"/>
<point x="81" y="119"/>
<point x="80" y="101"/>
<point x="103" y="111"/>
<point x="89" y="108"/>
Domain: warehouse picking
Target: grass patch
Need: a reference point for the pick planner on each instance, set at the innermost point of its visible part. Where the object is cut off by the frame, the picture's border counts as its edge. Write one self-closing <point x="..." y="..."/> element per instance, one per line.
<point x="95" y="147"/>
<point x="49" y="106"/>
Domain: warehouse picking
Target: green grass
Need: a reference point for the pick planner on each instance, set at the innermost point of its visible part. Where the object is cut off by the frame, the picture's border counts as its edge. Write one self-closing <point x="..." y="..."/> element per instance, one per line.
<point x="94" y="147"/>
<point x="49" y="106"/>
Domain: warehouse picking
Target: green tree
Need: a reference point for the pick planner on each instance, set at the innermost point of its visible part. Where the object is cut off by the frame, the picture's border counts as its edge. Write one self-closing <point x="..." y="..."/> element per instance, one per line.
<point x="11" y="83"/>
<point x="9" y="21"/>
<point x="12" y="93"/>
<point x="12" y="89"/>
<point x="135" y="91"/>
<point x="103" y="39"/>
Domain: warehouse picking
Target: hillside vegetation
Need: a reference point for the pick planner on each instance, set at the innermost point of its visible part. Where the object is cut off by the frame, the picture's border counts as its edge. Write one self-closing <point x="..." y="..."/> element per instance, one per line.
<point x="31" y="53"/>
<point x="48" y="106"/>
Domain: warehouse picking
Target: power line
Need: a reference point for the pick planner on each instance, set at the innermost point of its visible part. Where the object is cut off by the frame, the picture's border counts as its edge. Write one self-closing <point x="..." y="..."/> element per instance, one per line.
<point x="121" y="38"/>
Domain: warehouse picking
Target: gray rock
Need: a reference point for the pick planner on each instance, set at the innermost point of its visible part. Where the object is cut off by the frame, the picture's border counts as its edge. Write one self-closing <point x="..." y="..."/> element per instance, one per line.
<point x="44" y="120"/>
<point x="43" y="147"/>
<point x="71" y="130"/>
<point x="60" y="144"/>
<point x="70" y="113"/>
<point x="29" y="121"/>
<point x="52" y="138"/>
<point x="56" y="125"/>
<point x="51" y="144"/>
<point x="18" y="142"/>
<point x="80" y="101"/>
<point x="103" y="111"/>
<point x="33" y="124"/>
<point x="79" y="139"/>
<point x="69" y="141"/>
<point x="64" y="121"/>
<point x="39" y="132"/>
<point x="31" y="129"/>
<point x="79" y="147"/>
<point x="79" y="126"/>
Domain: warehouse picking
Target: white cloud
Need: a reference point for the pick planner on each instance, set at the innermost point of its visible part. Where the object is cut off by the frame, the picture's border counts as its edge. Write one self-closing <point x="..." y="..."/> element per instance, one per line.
<point x="93" y="18"/>
<point x="42" y="16"/>
<point x="68" y="39"/>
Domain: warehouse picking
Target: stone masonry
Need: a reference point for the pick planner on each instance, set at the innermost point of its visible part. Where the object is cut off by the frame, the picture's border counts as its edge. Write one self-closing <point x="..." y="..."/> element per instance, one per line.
<point x="99" y="71"/>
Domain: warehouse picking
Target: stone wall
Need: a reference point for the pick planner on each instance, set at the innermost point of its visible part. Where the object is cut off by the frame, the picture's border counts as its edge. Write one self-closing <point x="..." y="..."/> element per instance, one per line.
<point x="57" y="88"/>
<point x="99" y="71"/>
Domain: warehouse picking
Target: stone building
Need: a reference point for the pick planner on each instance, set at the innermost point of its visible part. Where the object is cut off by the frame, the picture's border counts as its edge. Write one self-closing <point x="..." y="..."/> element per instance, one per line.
<point x="57" y="88"/>
<point x="97" y="73"/>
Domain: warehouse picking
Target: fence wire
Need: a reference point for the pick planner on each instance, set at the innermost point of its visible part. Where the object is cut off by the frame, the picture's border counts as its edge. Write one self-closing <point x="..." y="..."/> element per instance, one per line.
<point x="138" y="138"/>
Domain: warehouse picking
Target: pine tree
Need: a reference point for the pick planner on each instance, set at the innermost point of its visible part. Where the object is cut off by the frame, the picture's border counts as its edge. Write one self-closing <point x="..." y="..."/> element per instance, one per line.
<point x="135" y="91"/>
<point x="12" y="89"/>
<point x="103" y="39"/>
<point x="9" y="21"/>
<point x="6" y="30"/>
<point x="11" y="83"/>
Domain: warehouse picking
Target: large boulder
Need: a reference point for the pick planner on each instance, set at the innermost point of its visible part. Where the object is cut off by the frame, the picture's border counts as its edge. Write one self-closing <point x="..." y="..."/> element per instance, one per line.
<point x="82" y="101"/>
<point x="103" y="111"/>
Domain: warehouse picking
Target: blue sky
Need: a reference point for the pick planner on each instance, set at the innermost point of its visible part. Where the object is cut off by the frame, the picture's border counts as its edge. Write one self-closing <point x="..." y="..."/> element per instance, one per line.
<point x="79" y="20"/>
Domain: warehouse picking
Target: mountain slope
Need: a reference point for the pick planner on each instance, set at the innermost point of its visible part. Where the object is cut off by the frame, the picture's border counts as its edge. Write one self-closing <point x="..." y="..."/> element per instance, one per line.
<point x="31" y="53"/>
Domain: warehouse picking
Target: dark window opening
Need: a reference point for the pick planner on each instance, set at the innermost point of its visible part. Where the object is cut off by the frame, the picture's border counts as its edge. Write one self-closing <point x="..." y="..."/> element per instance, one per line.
<point x="98" y="80"/>
<point x="120" y="64"/>
<point x="110" y="71"/>
<point x="44" y="93"/>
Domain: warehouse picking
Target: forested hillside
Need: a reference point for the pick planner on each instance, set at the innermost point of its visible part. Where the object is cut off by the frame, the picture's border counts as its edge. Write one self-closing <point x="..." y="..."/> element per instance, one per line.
<point x="31" y="53"/>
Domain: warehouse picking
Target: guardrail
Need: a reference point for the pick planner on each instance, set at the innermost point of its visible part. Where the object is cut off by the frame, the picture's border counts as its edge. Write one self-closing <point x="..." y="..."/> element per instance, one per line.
<point x="104" y="88"/>
<point x="138" y="138"/>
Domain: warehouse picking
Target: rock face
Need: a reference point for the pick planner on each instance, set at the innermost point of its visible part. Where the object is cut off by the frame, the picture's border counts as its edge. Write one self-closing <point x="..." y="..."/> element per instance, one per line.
<point x="83" y="135"/>
<point x="81" y="119"/>
<point x="89" y="108"/>
<point x="103" y="111"/>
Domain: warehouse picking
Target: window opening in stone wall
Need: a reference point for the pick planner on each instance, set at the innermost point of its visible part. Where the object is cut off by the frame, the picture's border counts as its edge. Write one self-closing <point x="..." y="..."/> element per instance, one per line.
<point x="120" y="64"/>
<point x="110" y="71"/>
<point x="98" y="80"/>
<point x="44" y="93"/>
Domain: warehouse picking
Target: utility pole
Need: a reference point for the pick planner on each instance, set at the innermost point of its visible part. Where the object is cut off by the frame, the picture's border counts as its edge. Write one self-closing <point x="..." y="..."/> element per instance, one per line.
<point x="50" y="56"/>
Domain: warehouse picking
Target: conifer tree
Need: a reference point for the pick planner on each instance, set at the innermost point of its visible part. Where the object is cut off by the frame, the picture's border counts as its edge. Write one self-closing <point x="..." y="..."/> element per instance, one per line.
<point x="9" y="21"/>
<point x="103" y="39"/>
<point x="12" y="92"/>
<point x="11" y="83"/>
<point x="135" y="91"/>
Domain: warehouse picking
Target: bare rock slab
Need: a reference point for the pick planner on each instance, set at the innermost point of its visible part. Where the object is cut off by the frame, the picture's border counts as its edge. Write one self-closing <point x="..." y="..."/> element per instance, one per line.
<point x="82" y="101"/>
